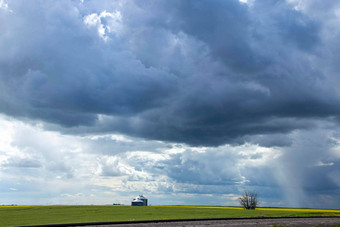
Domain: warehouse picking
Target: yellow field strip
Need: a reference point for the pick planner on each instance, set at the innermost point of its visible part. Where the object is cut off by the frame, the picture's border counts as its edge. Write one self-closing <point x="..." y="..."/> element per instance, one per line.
<point x="300" y="209"/>
<point x="260" y="208"/>
<point x="204" y="207"/>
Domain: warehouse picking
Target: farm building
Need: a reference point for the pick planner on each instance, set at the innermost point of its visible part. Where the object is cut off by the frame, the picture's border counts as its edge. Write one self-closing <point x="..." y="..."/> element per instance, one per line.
<point x="139" y="201"/>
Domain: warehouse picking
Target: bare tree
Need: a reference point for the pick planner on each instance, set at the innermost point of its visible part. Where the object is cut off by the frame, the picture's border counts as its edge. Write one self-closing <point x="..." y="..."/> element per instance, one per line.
<point x="249" y="200"/>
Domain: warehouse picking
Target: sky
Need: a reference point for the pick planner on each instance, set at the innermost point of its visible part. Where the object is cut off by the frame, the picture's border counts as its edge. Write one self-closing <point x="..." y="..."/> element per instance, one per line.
<point x="187" y="102"/>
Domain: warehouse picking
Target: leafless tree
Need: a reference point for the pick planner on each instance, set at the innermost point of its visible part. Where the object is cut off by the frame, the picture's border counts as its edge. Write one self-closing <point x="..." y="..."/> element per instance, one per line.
<point x="249" y="200"/>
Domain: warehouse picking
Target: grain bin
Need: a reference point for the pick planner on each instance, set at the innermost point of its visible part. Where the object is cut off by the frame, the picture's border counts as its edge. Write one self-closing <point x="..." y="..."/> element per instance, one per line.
<point x="139" y="201"/>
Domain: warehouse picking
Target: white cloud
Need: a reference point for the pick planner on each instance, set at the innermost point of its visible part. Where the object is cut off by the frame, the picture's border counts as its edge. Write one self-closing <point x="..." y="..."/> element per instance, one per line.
<point x="106" y="23"/>
<point x="4" y="5"/>
<point x="73" y="170"/>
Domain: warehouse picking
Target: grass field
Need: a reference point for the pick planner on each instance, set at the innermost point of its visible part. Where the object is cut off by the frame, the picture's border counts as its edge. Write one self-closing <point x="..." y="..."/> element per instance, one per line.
<point x="39" y="215"/>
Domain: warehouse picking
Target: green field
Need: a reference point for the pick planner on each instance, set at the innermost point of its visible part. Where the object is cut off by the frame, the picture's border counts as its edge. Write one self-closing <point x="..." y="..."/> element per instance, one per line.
<point x="39" y="215"/>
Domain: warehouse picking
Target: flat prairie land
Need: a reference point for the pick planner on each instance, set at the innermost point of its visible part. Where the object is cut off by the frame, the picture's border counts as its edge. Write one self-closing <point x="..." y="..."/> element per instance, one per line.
<point x="58" y="214"/>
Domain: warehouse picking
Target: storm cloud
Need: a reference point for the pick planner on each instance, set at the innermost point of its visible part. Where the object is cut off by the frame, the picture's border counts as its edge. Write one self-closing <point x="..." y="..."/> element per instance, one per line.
<point x="201" y="73"/>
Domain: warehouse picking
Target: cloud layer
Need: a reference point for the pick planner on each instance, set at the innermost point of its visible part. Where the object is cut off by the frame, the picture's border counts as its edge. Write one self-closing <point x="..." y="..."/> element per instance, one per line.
<point x="201" y="73"/>
<point x="46" y="167"/>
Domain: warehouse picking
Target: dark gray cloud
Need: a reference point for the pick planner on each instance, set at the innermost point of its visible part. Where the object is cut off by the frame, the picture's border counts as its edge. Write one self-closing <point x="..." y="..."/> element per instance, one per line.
<point x="202" y="73"/>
